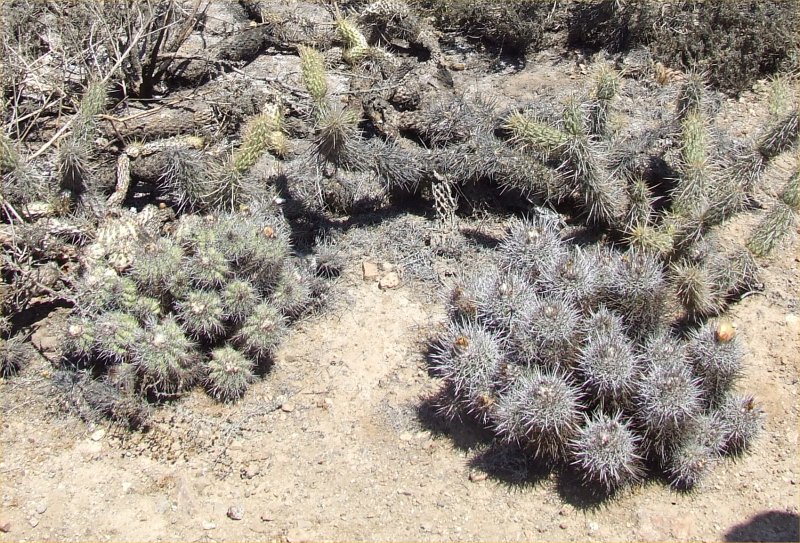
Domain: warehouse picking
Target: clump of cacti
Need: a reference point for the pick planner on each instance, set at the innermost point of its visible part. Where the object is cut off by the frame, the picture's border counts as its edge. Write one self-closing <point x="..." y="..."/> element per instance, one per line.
<point x="208" y="304"/>
<point x="579" y="355"/>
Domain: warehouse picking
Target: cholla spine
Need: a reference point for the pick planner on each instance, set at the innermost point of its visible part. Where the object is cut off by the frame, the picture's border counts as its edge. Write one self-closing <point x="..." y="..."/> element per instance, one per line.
<point x="261" y="133"/>
<point x="312" y="66"/>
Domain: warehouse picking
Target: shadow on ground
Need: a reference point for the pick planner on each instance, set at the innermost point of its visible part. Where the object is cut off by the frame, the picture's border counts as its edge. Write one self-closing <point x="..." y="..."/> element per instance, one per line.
<point x="767" y="526"/>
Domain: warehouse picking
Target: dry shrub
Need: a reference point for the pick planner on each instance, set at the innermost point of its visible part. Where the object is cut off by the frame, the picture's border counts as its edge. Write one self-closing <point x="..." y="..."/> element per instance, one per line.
<point x="736" y="41"/>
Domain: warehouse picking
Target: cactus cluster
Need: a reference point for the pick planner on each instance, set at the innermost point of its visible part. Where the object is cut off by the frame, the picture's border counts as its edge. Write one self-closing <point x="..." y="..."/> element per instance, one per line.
<point x="575" y="353"/>
<point x="207" y="303"/>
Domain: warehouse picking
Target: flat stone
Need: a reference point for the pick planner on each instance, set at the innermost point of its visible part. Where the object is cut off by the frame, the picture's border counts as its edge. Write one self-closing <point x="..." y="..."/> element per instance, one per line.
<point x="287" y="407"/>
<point x="97" y="435"/>
<point x="369" y="271"/>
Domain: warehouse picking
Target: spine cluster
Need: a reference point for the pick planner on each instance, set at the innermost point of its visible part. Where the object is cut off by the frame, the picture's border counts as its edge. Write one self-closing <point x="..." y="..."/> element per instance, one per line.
<point x="576" y="355"/>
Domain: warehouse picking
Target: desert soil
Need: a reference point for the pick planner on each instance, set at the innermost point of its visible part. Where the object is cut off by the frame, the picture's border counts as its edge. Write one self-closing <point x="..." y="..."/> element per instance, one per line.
<point x="336" y="443"/>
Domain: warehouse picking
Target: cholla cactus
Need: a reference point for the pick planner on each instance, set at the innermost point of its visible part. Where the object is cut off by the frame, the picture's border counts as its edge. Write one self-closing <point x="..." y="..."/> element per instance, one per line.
<point x="312" y="65"/>
<point x="261" y="133"/>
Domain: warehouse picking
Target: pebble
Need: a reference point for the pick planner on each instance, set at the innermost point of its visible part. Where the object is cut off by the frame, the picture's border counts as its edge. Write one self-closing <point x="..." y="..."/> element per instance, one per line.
<point x="267" y="517"/>
<point x="478" y="476"/>
<point x="389" y="281"/>
<point x="41" y="507"/>
<point x="287" y="407"/>
<point x="33" y="521"/>
<point x="97" y="435"/>
<point x="235" y="512"/>
<point x="5" y="527"/>
<point x="593" y="526"/>
<point x="208" y="525"/>
<point x="562" y="526"/>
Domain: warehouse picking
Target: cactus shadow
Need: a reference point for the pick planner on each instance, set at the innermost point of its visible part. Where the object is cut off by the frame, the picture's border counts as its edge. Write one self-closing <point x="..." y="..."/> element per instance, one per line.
<point x="465" y="433"/>
<point x="767" y="526"/>
<point x="573" y="490"/>
<point x="508" y="463"/>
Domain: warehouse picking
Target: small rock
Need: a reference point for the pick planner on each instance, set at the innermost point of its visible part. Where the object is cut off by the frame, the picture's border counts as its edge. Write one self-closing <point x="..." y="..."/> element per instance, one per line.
<point x="236" y="512"/>
<point x="208" y="525"/>
<point x="33" y="521"/>
<point x="478" y="476"/>
<point x="97" y="435"/>
<point x="5" y="527"/>
<point x="287" y="407"/>
<point x="593" y="526"/>
<point x="562" y="526"/>
<point x="267" y="517"/>
<point x="41" y="507"/>
<point x="369" y="270"/>
<point x="389" y="281"/>
<point x="387" y="267"/>
<point x="406" y="436"/>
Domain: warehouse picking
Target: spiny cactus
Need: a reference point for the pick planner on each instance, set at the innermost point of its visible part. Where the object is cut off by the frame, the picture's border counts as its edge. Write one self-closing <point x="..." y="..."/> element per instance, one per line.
<point x="690" y="461"/>
<point x="546" y="332"/>
<point x="607" y="83"/>
<point x="14" y="355"/>
<point x="535" y="134"/>
<point x="742" y="420"/>
<point x="201" y="302"/>
<point x="596" y="373"/>
<point x="541" y="410"/>
<point x="694" y="181"/>
<point x="229" y="373"/>
<point x="469" y="358"/>
<point x="312" y="65"/>
<point x="715" y="354"/>
<point x="261" y="133"/>
<point x="9" y="157"/>
<point x="74" y="154"/>
<point x="606" y="451"/>
<point x="781" y="136"/>
<point x="779" y="222"/>
<point x="166" y="359"/>
<point x="116" y="334"/>
<point x="203" y="315"/>
<point x="699" y="289"/>
<point x="608" y="367"/>
<point x="261" y="332"/>
<point x="355" y="43"/>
